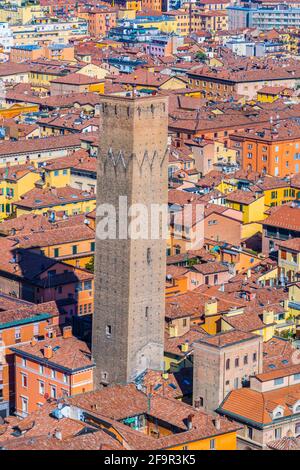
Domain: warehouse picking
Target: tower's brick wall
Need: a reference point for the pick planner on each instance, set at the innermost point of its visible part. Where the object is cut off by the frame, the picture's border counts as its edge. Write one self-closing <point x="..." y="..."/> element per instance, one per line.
<point x="130" y="274"/>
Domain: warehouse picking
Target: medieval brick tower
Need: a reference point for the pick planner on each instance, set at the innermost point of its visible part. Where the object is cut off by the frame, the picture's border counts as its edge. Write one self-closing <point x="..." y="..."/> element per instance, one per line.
<point x="128" y="323"/>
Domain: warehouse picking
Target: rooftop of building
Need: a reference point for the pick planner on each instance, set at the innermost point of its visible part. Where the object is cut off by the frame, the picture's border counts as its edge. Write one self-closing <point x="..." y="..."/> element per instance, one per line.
<point x="14" y="312"/>
<point x="254" y="407"/>
<point x="38" y="198"/>
<point x="226" y="339"/>
<point x="66" y="353"/>
<point x="285" y="217"/>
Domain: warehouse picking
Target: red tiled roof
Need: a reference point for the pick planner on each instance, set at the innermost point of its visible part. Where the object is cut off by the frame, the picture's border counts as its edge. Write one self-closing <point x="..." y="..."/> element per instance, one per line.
<point x="69" y="353"/>
<point x="249" y="404"/>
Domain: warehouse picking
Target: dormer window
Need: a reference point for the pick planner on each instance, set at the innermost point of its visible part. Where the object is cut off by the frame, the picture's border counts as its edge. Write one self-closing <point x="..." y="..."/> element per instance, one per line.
<point x="278" y="412"/>
<point x="296" y="407"/>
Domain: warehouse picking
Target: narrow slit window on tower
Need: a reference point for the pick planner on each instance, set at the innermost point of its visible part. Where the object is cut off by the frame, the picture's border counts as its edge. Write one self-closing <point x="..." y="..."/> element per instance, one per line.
<point x="108" y="331"/>
<point x="149" y="259"/>
<point x="147" y="313"/>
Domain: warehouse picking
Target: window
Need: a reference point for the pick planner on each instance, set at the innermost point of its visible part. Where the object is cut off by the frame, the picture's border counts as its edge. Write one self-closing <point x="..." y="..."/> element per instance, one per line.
<point x="24" y="380"/>
<point x="41" y="388"/>
<point x="53" y="374"/>
<point x="87" y="285"/>
<point x="53" y="391"/>
<point x="274" y="195"/>
<point x="277" y="433"/>
<point x="296" y="376"/>
<point x="212" y="444"/>
<point x="227" y="364"/>
<point x="17" y="335"/>
<point x="278" y="381"/>
<point x="92" y="246"/>
<point x="24" y="405"/>
<point x="23" y="362"/>
<point x="184" y="322"/>
<point x="65" y="378"/>
<point x="236" y="383"/>
<point x="108" y="331"/>
<point x="148" y="255"/>
<point x="104" y="376"/>
<point x="74" y="249"/>
<point x="246" y="359"/>
<point x="199" y="403"/>
<point x="254" y="357"/>
<point x="237" y="362"/>
<point x="250" y="433"/>
<point x="56" y="252"/>
<point x="282" y="254"/>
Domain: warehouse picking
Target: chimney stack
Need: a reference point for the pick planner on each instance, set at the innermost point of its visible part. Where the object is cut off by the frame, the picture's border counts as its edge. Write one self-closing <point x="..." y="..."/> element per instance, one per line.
<point x="217" y="423"/>
<point x="58" y="434"/>
<point x="67" y="332"/>
<point x="48" y="351"/>
<point x="190" y="421"/>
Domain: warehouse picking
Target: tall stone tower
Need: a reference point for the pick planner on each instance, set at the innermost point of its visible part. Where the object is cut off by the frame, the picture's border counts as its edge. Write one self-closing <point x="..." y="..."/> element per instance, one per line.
<point x="128" y="322"/>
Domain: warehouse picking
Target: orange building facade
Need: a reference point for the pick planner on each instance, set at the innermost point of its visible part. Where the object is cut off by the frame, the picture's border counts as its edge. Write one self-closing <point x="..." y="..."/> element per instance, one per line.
<point x="153" y="5"/>
<point x="99" y="21"/>
<point x="269" y="152"/>
<point x="20" y="331"/>
<point x="51" y="369"/>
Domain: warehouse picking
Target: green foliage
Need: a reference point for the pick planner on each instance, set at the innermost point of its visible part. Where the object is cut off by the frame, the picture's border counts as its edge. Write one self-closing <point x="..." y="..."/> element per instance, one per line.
<point x="200" y="56"/>
<point x="191" y="262"/>
<point x="90" y="265"/>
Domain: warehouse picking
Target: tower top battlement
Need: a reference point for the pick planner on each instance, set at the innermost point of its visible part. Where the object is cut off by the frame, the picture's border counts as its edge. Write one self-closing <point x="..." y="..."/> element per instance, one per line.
<point x="127" y="107"/>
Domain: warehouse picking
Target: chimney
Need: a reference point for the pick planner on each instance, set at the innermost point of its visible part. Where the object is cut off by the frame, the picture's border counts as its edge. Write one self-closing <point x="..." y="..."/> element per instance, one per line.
<point x="217" y="423"/>
<point x="58" y="434"/>
<point x="33" y="342"/>
<point x="190" y="421"/>
<point x="185" y="346"/>
<point x="48" y="352"/>
<point x="53" y="191"/>
<point x="67" y="332"/>
<point x="51" y="333"/>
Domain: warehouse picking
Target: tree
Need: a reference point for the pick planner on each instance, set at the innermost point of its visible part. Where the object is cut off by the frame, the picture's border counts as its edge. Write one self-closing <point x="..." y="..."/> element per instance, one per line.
<point x="200" y="56"/>
<point x="90" y="265"/>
